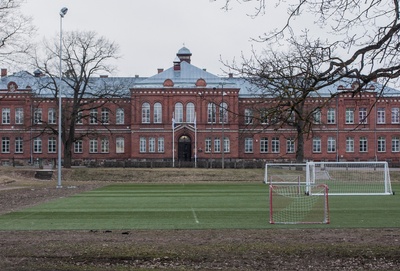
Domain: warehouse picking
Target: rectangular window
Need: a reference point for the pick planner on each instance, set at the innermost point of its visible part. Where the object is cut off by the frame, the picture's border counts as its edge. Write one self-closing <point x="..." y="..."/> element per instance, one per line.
<point x="19" y="146"/>
<point x="208" y="145"/>
<point x="395" y="144"/>
<point x="290" y="148"/>
<point x="362" y="115"/>
<point x="264" y="145"/>
<point x="52" y="145"/>
<point x="395" y="115"/>
<point x="381" y="144"/>
<point x="120" y="145"/>
<point x="227" y="145"/>
<point x="51" y="116"/>
<point x="93" y="116"/>
<point x="142" y="144"/>
<point x="152" y="144"/>
<point x="105" y="145"/>
<point x="349" y="115"/>
<point x="381" y="116"/>
<point x="349" y="144"/>
<point x="160" y="144"/>
<point x="37" y="145"/>
<point x="5" y="116"/>
<point x="317" y="116"/>
<point x="37" y="116"/>
<point x="19" y="116"/>
<point x="79" y="118"/>
<point x="93" y="146"/>
<point x="331" y="116"/>
<point x="275" y="145"/>
<point x="248" y="116"/>
<point x="217" y="145"/>
<point x="248" y="145"/>
<point x="105" y="116"/>
<point x="5" y="144"/>
<point x="120" y="116"/>
<point x="78" y="146"/>
<point x="331" y="144"/>
<point x="316" y="144"/>
<point x="363" y="144"/>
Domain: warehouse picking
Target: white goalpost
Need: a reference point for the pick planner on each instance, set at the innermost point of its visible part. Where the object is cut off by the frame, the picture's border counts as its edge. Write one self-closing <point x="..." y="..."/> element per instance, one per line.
<point x="351" y="178"/>
<point x="342" y="178"/>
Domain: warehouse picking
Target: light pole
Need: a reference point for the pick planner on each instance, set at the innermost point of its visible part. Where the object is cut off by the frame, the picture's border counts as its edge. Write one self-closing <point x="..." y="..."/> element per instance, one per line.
<point x="63" y="11"/>
<point x="223" y="134"/>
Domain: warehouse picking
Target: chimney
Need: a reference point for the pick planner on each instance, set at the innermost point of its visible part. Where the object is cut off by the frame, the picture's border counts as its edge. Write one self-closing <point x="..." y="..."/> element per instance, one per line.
<point x="3" y="72"/>
<point x="230" y="75"/>
<point x="160" y="70"/>
<point x="177" y="64"/>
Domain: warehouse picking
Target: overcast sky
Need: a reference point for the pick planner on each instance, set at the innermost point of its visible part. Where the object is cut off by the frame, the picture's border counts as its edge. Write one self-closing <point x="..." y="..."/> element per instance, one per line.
<point x="150" y="32"/>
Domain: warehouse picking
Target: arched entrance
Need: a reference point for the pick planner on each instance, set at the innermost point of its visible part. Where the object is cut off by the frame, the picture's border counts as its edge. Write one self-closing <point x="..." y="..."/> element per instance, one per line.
<point x="184" y="148"/>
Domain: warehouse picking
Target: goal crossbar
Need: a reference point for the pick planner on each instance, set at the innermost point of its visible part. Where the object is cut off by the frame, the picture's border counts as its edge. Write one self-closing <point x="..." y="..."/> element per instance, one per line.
<point x="342" y="178"/>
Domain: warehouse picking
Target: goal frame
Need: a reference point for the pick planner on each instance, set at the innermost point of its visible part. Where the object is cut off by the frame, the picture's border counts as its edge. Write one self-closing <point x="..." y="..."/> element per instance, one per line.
<point x="325" y="217"/>
<point x="384" y="183"/>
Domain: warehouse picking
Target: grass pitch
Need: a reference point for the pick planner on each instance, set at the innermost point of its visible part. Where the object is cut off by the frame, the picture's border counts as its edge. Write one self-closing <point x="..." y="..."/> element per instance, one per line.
<point x="190" y="206"/>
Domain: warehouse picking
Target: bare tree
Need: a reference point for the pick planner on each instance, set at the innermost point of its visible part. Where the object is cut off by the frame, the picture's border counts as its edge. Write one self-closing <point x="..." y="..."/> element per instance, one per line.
<point x="15" y="30"/>
<point x="85" y="57"/>
<point x="367" y="33"/>
<point x="288" y="79"/>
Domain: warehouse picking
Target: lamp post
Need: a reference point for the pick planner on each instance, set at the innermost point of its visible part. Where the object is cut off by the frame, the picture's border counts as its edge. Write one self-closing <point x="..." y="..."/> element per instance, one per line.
<point x="223" y="134"/>
<point x="63" y="11"/>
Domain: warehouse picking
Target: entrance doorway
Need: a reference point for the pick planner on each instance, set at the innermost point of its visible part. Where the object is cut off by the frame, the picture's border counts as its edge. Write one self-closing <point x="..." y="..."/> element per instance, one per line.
<point x="184" y="148"/>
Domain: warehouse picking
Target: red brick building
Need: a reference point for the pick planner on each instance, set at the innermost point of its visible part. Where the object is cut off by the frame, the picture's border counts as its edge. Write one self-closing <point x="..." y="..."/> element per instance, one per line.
<point x="185" y="114"/>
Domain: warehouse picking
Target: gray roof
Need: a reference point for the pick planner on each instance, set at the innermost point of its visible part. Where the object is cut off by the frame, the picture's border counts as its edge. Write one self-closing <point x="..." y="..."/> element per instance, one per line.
<point x="186" y="77"/>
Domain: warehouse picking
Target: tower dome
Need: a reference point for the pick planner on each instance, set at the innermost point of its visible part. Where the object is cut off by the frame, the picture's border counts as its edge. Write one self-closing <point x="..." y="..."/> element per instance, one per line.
<point x="184" y="54"/>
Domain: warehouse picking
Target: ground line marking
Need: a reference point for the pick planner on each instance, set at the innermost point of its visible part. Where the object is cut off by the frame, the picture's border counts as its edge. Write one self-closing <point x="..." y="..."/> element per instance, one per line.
<point x="195" y="216"/>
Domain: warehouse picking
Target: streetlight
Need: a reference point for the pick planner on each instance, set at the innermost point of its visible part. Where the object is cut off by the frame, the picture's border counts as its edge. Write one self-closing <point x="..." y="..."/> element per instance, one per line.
<point x="223" y="135"/>
<point x="63" y="11"/>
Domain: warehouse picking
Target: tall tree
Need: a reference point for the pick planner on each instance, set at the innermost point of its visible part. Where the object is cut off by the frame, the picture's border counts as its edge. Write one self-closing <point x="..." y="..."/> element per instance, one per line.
<point x="15" y="30"/>
<point x="367" y="33"/>
<point x="85" y="56"/>
<point x="289" y="79"/>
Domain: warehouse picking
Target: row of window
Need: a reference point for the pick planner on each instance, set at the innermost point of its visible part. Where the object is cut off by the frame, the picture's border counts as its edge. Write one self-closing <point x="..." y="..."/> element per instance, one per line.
<point x="180" y="109"/>
<point x="52" y="116"/>
<point x="331" y="116"/>
<point x="317" y="145"/>
<point x="95" y="145"/>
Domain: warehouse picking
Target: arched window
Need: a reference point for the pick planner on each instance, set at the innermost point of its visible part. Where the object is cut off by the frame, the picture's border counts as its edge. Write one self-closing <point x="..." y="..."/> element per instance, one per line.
<point x="157" y="113"/>
<point x="178" y="112"/>
<point x="145" y="113"/>
<point x="211" y="111"/>
<point x="120" y="116"/>
<point x="190" y="112"/>
<point x="223" y="113"/>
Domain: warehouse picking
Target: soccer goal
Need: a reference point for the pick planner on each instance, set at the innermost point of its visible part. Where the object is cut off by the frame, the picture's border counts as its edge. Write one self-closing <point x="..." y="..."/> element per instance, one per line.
<point x="342" y="178"/>
<point x="351" y="178"/>
<point x="285" y="173"/>
<point x="298" y="204"/>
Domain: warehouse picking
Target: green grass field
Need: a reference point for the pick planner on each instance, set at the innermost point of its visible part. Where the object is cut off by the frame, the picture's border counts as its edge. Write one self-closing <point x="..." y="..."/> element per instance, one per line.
<point x="190" y="206"/>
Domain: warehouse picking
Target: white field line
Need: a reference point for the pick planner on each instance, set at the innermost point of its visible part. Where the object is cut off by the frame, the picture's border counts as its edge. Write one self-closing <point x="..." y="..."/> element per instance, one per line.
<point x="195" y="216"/>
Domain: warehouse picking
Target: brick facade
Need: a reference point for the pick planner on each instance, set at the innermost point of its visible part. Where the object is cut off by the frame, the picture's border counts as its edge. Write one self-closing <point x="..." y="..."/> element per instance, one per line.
<point x="188" y="95"/>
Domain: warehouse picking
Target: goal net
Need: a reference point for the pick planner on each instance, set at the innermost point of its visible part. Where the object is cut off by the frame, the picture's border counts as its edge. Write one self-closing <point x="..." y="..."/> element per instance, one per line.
<point x="351" y="178"/>
<point x="298" y="204"/>
<point x="285" y="173"/>
<point x="342" y="178"/>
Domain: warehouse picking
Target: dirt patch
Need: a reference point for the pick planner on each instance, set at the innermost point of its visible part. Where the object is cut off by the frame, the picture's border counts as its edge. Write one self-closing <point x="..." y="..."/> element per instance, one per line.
<point x="323" y="249"/>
